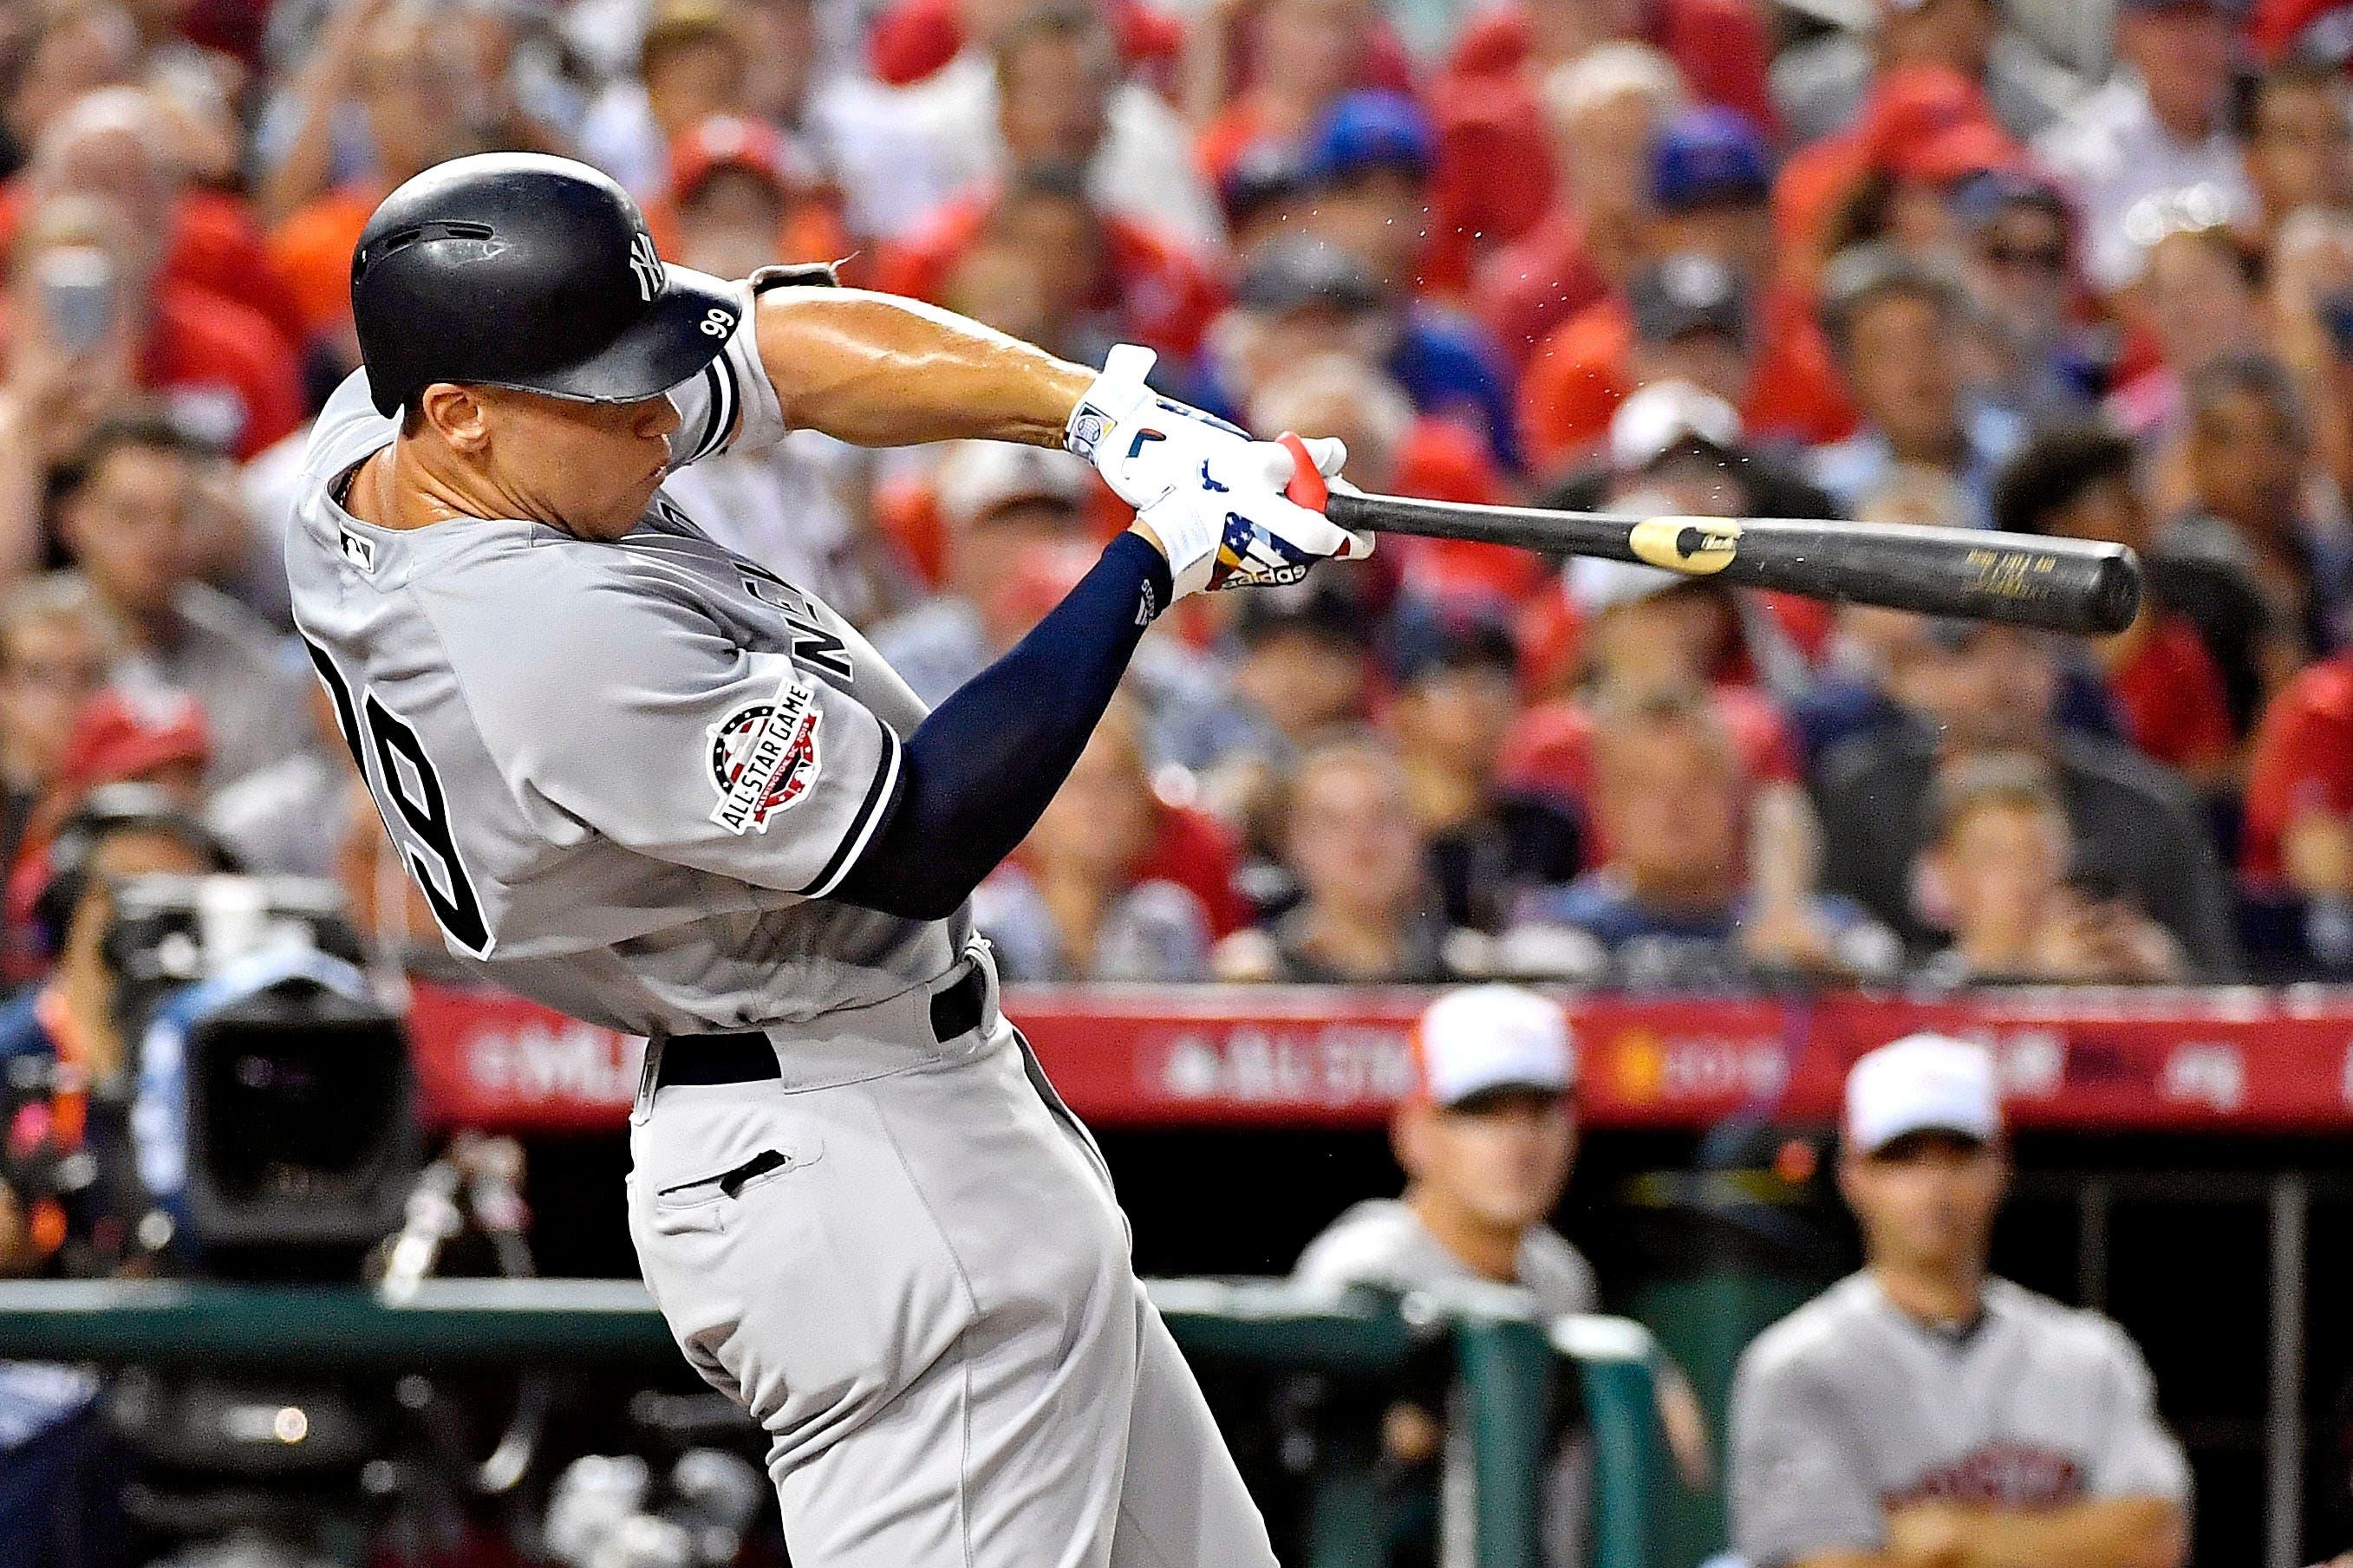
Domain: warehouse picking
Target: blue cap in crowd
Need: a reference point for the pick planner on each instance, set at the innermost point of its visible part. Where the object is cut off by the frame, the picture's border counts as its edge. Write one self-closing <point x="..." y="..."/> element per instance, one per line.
<point x="1368" y="130"/>
<point x="1707" y="156"/>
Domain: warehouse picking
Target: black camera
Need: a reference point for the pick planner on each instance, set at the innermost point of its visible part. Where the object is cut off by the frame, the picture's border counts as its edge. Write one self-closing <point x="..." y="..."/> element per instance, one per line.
<point x="274" y="1111"/>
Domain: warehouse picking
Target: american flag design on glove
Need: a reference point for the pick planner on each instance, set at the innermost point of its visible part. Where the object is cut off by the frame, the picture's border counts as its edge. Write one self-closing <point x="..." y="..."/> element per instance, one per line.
<point x="1251" y="556"/>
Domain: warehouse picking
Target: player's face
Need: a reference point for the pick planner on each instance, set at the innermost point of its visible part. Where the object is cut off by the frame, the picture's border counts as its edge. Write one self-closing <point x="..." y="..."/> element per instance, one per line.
<point x="1502" y="1157"/>
<point x="588" y="468"/>
<point x="1926" y="1201"/>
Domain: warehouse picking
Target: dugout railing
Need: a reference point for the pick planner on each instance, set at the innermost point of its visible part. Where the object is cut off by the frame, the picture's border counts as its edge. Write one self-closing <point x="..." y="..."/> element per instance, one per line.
<point x="1503" y="1362"/>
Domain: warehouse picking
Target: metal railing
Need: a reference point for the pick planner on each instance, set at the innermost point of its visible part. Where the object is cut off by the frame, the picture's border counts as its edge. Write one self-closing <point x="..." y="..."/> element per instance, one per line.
<point x="1505" y="1360"/>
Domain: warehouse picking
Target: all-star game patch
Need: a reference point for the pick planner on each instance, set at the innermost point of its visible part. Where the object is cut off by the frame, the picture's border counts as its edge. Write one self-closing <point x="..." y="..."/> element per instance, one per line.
<point x="764" y="758"/>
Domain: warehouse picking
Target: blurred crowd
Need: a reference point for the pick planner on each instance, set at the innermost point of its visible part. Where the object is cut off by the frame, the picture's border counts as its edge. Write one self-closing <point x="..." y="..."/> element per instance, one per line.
<point x="1919" y="262"/>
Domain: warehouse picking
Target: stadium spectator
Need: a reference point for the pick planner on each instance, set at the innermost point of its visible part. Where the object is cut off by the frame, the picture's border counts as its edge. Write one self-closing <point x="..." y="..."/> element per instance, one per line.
<point x="693" y="65"/>
<point x="2078" y="481"/>
<point x="2195" y="303"/>
<point x="1079" y="900"/>
<point x="66" y="54"/>
<point x="58" y="1501"/>
<point x="2308" y="294"/>
<point x="84" y="288"/>
<point x="1601" y="112"/>
<point x="1047" y="89"/>
<point x="1366" y="910"/>
<point x="2160" y="123"/>
<point x="1307" y="54"/>
<point x="1710" y="177"/>
<point x="1974" y="689"/>
<point x="1486" y="1141"/>
<point x="2299" y="138"/>
<point x="123" y="513"/>
<point x="1364" y="189"/>
<point x="912" y="39"/>
<point x="2000" y="875"/>
<point x="402" y="69"/>
<point x="1299" y="297"/>
<point x="1102" y="279"/>
<point x="54" y="656"/>
<point x="1705" y="880"/>
<point x="1720" y="47"/>
<point x="2250" y="500"/>
<point x="737" y="202"/>
<point x="2038" y="359"/>
<point x="1395" y="451"/>
<point x="120" y="145"/>
<point x="1679" y="436"/>
<point x="1922" y="1410"/>
<point x="1012" y="517"/>
<point x="1456" y="696"/>
<point x="2299" y="800"/>
<point x="1894" y="326"/>
<point x="1820" y="88"/>
<point x="1303" y="670"/>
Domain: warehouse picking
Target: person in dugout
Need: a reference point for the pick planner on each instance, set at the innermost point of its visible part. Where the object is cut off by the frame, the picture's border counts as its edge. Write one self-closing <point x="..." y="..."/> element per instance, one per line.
<point x="1924" y="1413"/>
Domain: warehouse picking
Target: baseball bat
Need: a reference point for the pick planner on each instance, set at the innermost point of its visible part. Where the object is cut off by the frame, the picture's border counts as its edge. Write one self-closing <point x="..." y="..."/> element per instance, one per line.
<point x="2064" y="585"/>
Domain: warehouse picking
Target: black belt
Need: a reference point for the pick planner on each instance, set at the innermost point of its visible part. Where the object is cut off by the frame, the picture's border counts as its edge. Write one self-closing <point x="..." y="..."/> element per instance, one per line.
<point x="749" y="1056"/>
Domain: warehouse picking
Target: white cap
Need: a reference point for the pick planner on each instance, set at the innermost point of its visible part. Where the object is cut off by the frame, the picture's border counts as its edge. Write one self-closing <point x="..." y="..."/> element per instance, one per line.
<point x="1662" y="415"/>
<point x="977" y="478"/>
<point x="1493" y="1037"/>
<point x="1596" y="583"/>
<point x="1921" y="1083"/>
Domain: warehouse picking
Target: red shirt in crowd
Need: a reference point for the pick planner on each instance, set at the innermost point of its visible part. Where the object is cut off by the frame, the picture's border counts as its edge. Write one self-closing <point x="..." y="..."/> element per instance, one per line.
<point x="2303" y="758"/>
<point x="1443" y="460"/>
<point x="1539" y="282"/>
<point x="1163" y="296"/>
<point x="227" y="369"/>
<point x="913" y="38"/>
<point x="1492" y="148"/>
<point x="216" y="246"/>
<point x="1579" y="375"/>
<point x="2170" y="696"/>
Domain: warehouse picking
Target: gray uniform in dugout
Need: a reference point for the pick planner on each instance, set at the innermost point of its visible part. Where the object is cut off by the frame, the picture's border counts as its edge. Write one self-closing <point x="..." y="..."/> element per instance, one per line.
<point x="626" y="774"/>
<point x="1849" y="1407"/>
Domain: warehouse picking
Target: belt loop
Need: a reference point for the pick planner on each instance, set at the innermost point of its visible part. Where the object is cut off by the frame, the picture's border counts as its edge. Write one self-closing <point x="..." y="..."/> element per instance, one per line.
<point x="650" y="1069"/>
<point x="983" y="956"/>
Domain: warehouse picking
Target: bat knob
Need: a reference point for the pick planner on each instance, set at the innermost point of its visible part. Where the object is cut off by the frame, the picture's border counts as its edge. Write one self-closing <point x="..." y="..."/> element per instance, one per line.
<point x="2115" y="599"/>
<point x="1306" y="486"/>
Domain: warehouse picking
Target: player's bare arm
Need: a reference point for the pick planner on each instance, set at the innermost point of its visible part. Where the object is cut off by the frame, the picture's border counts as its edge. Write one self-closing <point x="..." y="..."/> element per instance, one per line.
<point x="2105" y="1533"/>
<point x="878" y="371"/>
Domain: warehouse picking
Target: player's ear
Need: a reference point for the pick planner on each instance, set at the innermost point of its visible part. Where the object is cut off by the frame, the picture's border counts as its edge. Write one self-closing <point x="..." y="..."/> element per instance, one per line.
<point x="460" y="415"/>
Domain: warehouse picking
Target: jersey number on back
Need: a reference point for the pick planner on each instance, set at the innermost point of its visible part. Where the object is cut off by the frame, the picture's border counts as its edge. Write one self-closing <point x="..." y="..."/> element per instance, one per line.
<point x="426" y="809"/>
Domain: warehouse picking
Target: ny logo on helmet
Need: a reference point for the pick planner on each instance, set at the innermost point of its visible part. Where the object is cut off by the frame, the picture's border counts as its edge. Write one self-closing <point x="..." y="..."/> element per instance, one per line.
<point x="645" y="266"/>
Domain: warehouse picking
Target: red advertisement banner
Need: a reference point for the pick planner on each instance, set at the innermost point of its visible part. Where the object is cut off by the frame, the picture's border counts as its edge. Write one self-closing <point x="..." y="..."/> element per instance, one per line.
<point x="2235" y="1059"/>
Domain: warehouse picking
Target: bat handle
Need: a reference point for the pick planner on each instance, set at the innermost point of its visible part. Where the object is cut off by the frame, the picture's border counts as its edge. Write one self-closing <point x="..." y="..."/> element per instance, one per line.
<point x="1306" y="486"/>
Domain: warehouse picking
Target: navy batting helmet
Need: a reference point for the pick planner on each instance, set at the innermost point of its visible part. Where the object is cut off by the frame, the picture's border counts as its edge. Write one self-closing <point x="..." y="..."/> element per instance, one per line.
<point x="518" y="269"/>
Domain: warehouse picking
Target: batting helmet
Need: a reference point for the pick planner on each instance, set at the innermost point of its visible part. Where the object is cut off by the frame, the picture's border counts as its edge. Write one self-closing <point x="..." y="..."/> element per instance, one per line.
<point x="523" y="271"/>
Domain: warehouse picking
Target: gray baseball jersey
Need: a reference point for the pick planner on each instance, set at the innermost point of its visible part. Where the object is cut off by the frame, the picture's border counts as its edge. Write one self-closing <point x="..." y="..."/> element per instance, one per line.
<point x="624" y="773"/>
<point x="1381" y="1242"/>
<point x="1849" y="1407"/>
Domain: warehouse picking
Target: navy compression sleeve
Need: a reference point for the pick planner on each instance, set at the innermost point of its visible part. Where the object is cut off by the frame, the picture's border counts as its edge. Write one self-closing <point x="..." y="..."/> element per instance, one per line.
<point x="979" y="770"/>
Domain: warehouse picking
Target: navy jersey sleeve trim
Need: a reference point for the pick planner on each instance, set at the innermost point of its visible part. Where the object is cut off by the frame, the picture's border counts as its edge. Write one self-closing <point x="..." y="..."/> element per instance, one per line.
<point x="879" y="793"/>
<point x="721" y="379"/>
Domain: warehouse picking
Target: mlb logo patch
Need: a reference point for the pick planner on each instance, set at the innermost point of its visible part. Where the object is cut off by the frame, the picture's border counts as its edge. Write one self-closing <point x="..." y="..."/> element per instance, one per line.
<point x="764" y="758"/>
<point x="359" y="552"/>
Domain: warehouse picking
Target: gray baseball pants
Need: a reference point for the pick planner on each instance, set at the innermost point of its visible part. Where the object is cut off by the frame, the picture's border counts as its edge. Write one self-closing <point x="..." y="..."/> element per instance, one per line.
<point x="927" y="1302"/>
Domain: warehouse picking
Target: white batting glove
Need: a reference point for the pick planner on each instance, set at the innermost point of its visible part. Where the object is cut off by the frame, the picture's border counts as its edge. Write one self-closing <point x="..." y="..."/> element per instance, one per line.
<point x="1213" y="496"/>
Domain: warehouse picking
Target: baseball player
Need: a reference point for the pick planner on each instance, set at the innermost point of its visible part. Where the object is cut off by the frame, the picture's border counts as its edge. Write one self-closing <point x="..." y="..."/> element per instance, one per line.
<point x="1921" y="1414"/>
<point x="644" y="781"/>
